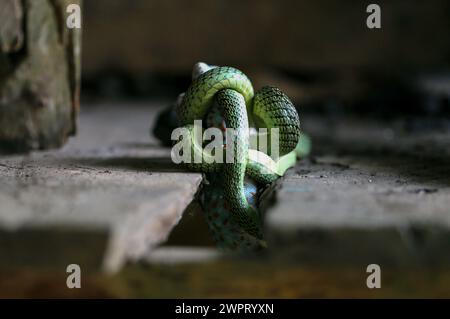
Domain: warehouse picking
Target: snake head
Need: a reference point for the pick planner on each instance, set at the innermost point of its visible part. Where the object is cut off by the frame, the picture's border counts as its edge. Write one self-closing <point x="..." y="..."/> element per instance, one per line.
<point x="200" y="68"/>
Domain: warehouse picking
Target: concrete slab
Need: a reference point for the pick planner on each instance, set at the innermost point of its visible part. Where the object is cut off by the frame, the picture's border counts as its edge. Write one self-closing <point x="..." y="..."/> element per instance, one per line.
<point x="107" y="197"/>
<point x="371" y="195"/>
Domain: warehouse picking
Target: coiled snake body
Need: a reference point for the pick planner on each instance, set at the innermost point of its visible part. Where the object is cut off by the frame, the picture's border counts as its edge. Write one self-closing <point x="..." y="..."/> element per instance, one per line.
<point x="224" y="97"/>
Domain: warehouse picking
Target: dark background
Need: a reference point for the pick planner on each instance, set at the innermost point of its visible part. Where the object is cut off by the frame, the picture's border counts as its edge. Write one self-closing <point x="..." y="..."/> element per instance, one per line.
<point x="320" y="52"/>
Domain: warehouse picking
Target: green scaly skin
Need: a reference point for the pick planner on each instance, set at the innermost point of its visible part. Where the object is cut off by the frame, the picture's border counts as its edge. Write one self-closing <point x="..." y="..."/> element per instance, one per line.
<point x="200" y="94"/>
<point x="232" y="92"/>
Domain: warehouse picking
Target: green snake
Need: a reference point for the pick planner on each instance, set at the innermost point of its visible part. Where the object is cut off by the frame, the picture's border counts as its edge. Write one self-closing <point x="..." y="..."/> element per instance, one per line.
<point x="224" y="97"/>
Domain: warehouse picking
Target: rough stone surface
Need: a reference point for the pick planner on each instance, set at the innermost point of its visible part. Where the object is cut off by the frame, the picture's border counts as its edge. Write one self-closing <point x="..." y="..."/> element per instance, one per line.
<point x="39" y="74"/>
<point x="11" y="33"/>
<point x="107" y="197"/>
<point x="373" y="194"/>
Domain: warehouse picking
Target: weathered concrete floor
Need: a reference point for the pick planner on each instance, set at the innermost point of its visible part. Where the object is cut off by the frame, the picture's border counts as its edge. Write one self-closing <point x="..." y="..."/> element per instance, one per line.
<point x="370" y="193"/>
<point x="105" y="198"/>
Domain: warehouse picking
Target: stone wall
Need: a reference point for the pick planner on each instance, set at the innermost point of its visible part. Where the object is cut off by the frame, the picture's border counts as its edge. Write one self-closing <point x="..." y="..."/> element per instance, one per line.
<point x="39" y="74"/>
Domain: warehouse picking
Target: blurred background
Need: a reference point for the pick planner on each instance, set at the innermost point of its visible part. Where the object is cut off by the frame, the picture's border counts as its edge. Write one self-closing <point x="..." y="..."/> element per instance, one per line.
<point x="320" y="52"/>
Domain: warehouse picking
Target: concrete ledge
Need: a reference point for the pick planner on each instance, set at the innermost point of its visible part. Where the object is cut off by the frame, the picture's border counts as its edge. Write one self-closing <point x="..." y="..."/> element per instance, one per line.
<point x="373" y="194"/>
<point x="108" y="197"/>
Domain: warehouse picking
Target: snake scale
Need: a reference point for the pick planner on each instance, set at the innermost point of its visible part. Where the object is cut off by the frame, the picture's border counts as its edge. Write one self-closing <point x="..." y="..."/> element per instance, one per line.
<point x="223" y="97"/>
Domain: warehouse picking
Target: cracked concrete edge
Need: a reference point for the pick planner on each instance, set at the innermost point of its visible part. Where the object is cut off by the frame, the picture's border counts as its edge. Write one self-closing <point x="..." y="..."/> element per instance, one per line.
<point x="392" y="241"/>
<point x="134" y="238"/>
<point x="269" y="198"/>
